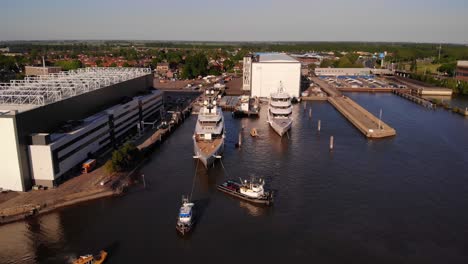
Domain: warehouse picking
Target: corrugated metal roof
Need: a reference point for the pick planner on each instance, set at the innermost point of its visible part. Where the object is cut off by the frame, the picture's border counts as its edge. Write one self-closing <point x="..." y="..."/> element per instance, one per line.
<point x="276" y="57"/>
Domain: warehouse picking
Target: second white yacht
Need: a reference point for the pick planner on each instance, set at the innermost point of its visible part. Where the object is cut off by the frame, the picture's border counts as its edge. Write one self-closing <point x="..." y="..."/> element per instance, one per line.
<point x="280" y="111"/>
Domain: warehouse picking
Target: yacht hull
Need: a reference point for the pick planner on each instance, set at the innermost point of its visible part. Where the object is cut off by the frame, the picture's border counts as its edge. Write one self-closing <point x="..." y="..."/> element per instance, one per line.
<point x="280" y="125"/>
<point x="208" y="158"/>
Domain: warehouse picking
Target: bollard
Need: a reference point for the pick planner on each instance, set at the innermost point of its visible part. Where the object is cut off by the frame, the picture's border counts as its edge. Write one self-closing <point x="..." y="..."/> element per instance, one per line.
<point x="331" y="143"/>
<point x="380" y="119"/>
<point x="310" y="112"/>
<point x="318" y="126"/>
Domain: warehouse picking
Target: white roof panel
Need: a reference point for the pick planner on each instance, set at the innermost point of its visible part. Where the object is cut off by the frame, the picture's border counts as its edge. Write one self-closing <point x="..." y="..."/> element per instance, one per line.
<point x="277" y="57"/>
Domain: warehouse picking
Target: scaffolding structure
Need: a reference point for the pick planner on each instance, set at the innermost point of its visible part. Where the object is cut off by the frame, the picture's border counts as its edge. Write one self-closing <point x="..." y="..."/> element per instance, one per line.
<point x="46" y="89"/>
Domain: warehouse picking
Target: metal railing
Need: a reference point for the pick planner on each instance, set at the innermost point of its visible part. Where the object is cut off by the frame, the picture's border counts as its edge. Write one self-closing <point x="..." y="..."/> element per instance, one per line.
<point x="45" y="89"/>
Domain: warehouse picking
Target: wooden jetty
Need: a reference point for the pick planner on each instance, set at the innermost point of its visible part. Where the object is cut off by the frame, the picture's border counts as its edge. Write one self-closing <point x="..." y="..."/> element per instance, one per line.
<point x="413" y="98"/>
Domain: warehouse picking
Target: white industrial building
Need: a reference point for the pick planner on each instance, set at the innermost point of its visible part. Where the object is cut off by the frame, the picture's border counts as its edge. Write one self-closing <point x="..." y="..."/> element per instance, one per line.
<point x="51" y="124"/>
<point x="264" y="73"/>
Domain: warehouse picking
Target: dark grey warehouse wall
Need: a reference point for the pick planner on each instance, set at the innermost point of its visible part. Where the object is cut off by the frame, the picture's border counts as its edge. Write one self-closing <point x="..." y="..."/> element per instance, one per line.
<point x="48" y="118"/>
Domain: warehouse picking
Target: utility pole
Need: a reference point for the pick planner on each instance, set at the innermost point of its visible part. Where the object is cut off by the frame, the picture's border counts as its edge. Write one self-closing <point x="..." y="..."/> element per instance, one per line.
<point x="440" y="48"/>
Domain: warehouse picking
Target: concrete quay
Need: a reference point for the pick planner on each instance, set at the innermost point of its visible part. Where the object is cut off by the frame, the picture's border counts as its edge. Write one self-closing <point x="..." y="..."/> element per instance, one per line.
<point x="367" y="123"/>
<point x="314" y="98"/>
<point x="362" y="119"/>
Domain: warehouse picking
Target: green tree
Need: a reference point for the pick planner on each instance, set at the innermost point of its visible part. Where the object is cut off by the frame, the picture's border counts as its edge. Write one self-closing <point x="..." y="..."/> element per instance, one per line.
<point x="123" y="159"/>
<point x="99" y="62"/>
<point x="33" y="55"/>
<point x="155" y="61"/>
<point x="326" y="63"/>
<point x="448" y="68"/>
<point x="67" y="65"/>
<point x="228" y="65"/>
<point x="344" y="62"/>
<point x="195" y="65"/>
<point x="414" y="66"/>
<point x="214" y="71"/>
<point x="174" y="58"/>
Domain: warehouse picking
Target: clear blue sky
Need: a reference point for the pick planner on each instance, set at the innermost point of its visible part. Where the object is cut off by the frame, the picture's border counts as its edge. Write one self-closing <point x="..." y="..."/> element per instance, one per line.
<point x="240" y="20"/>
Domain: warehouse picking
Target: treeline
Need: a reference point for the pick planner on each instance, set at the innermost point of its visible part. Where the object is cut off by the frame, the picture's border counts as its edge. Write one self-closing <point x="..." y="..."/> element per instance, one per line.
<point x="11" y="67"/>
<point x="400" y="51"/>
<point x="197" y="65"/>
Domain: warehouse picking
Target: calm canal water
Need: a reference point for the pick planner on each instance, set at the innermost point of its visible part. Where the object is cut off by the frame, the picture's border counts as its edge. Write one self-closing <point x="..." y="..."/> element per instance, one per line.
<point x="396" y="200"/>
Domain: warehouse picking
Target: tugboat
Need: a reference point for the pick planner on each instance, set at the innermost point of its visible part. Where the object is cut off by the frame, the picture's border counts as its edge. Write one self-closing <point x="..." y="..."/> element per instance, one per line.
<point x="90" y="259"/>
<point x="186" y="220"/>
<point x="247" y="190"/>
<point x="208" y="139"/>
<point x="280" y="111"/>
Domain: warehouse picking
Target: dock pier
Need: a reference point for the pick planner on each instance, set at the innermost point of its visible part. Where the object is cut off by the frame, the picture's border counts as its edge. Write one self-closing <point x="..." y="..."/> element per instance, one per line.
<point x="416" y="99"/>
<point x="367" y="123"/>
<point x="233" y="104"/>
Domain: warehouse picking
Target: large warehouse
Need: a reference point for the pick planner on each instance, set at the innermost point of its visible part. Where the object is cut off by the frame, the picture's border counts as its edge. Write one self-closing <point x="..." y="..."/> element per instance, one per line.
<point x="49" y="124"/>
<point x="264" y="73"/>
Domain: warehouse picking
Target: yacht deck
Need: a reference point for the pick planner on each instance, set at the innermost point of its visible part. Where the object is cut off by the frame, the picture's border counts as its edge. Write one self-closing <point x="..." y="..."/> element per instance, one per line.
<point x="208" y="146"/>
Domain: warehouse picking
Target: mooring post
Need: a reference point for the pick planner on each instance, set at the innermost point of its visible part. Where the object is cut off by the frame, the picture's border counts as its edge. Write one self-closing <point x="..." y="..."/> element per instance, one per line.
<point x="380" y="118"/>
<point x="331" y="143"/>
<point x="318" y="126"/>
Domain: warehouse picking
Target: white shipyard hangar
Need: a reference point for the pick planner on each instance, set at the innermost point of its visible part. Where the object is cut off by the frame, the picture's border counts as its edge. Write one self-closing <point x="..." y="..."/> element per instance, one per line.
<point x="263" y="74"/>
<point x="52" y="123"/>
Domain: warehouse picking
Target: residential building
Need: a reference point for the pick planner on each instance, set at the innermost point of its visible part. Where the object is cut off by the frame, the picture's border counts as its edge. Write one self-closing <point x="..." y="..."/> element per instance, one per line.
<point x="40" y="70"/>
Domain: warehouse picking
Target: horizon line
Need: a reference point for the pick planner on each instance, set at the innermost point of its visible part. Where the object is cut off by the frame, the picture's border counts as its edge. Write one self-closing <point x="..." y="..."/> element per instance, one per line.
<point x="240" y="41"/>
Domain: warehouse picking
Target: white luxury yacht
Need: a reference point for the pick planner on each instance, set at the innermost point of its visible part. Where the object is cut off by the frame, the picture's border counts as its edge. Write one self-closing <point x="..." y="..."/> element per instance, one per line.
<point x="208" y="140"/>
<point x="280" y="111"/>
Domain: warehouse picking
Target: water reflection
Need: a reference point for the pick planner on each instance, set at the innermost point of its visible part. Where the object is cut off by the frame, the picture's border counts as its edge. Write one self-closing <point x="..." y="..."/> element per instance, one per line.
<point x="254" y="210"/>
<point x="35" y="239"/>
